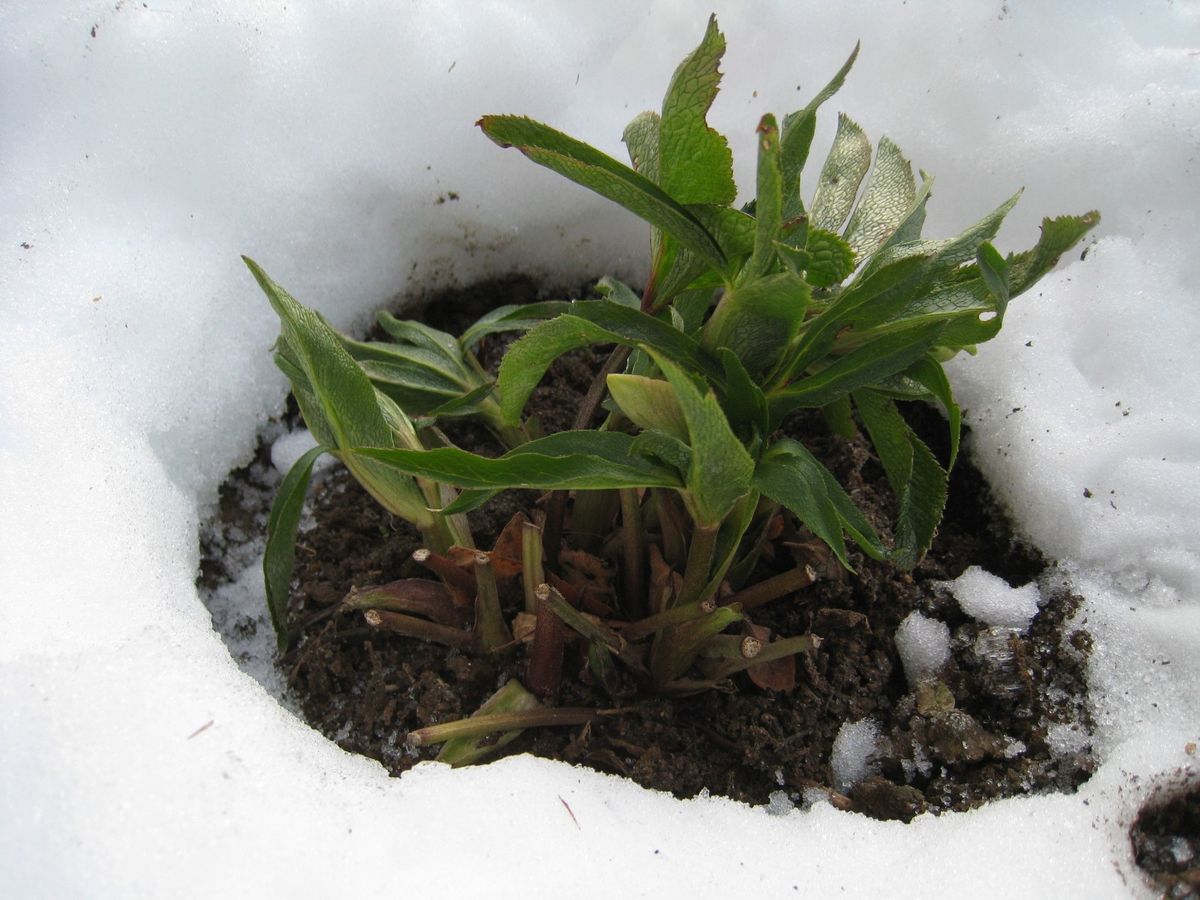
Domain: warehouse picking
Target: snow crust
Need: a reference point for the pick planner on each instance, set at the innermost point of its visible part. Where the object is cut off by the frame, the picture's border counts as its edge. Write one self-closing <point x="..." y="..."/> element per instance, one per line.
<point x="989" y="599"/>
<point x="146" y="146"/>
<point x="924" y="646"/>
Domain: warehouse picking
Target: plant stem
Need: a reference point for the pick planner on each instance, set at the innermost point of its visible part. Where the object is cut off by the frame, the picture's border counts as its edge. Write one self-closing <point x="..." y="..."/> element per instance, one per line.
<point x="632" y="551"/>
<point x="753" y="652"/>
<point x="677" y="649"/>
<point x="544" y="672"/>
<point x="490" y="626"/>
<point x="532" y="573"/>
<point x="676" y="615"/>
<point x="478" y="726"/>
<point x="557" y="506"/>
<point x="408" y="595"/>
<point x="773" y="588"/>
<point x="695" y="576"/>
<point x="593" y="631"/>
<point x="422" y="629"/>
<point x="459" y="582"/>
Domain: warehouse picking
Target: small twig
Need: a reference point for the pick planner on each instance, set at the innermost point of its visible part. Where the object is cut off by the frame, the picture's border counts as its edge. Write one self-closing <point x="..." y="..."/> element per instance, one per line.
<point x="490" y="628"/>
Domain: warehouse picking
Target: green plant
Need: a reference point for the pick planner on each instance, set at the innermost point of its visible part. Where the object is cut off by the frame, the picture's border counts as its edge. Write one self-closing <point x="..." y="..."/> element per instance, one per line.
<point x="747" y="315"/>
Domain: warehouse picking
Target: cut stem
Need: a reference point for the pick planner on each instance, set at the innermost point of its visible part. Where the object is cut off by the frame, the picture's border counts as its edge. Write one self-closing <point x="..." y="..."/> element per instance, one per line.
<point x="411" y="626"/>
<point x="593" y="631"/>
<point x="734" y="656"/>
<point x="532" y="573"/>
<point x="408" y="595"/>
<point x="490" y="627"/>
<point x="773" y="588"/>
<point x="458" y="581"/>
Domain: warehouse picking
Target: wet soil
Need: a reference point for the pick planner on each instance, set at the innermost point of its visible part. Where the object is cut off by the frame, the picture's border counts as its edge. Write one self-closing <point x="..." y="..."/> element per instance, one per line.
<point x="1007" y="715"/>
<point x="1166" y="842"/>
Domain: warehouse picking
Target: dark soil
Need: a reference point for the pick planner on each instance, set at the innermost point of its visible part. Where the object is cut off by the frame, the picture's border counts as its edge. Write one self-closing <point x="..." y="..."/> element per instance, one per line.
<point x="982" y="731"/>
<point x="1166" y="842"/>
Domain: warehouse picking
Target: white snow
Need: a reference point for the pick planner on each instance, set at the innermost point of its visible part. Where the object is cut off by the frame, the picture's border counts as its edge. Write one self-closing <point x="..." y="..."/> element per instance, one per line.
<point x="140" y="160"/>
<point x="989" y="599"/>
<point x="924" y="646"/>
<point x="854" y="749"/>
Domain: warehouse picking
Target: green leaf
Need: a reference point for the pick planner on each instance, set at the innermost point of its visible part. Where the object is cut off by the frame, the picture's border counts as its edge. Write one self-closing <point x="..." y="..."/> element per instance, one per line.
<point x="696" y="165"/>
<point x="796" y="139"/>
<point x="511" y="698"/>
<point x="588" y="460"/>
<point x="793" y="477"/>
<point x="279" y="559"/>
<point x="928" y="372"/>
<point x="511" y="318"/>
<point x="745" y="404"/>
<point x="872" y="362"/>
<point x="599" y="172"/>
<point x="590" y="322"/>
<point x="768" y="207"/>
<point x="641" y="140"/>
<point x="1058" y="236"/>
<point x="348" y="405"/>
<point x="759" y="319"/>
<point x="665" y="447"/>
<point x="912" y="471"/>
<point x="840" y="177"/>
<point x="886" y="202"/>
<point x="721" y="468"/>
<point x="617" y="292"/>
<point x="649" y="403"/>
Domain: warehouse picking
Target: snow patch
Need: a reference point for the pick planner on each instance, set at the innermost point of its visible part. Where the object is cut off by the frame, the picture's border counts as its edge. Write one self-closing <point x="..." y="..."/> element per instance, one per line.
<point x="989" y="599"/>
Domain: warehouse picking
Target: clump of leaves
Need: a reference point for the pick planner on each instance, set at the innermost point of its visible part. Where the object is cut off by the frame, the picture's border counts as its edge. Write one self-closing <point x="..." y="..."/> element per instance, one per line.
<point x="748" y="314"/>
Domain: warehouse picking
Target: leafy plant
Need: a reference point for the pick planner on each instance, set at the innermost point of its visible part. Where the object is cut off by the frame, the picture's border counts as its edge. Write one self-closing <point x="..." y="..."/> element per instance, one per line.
<point x="748" y="314"/>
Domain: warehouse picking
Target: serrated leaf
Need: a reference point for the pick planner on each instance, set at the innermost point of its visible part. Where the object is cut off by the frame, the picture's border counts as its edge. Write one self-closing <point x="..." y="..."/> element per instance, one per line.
<point x="599" y="172"/>
<point x="796" y="139"/>
<point x="721" y="468"/>
<point x="912" y="471"/>
<point x="928" y="372"/>
<point x="1057" y="237"/>
<point x="649" y="403"/>
<point x="696" y="165"/>
<point x="567" y="460"/>
<point x="793" y="477"/>
<point x="886" y="202"/>
<point x="279" y="558"/>
<point x="591" y="322"/>
<point x="840" y="177"/>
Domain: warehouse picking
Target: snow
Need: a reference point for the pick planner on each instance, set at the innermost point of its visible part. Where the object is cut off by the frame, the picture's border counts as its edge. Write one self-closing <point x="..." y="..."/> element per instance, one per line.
<point x="924" y="646"/>
<point x="146" y="146"/>
<point x="853" y="750"/>
<point x="989" y="599"/>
